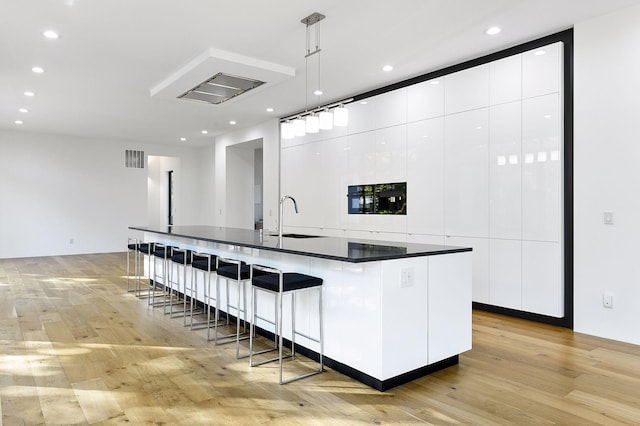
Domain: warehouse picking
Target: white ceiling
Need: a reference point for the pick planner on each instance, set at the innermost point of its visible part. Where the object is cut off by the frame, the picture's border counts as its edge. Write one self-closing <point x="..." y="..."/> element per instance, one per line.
<point x="111" y="53"/>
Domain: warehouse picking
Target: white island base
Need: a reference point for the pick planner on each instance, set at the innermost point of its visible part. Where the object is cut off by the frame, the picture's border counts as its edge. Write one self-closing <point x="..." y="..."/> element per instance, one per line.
<point x="386" y="322"/>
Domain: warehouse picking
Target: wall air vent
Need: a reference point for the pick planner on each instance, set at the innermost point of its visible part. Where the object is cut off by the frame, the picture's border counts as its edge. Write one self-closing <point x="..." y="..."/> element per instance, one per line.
<point x="220" y="88"/>
<point x="134" y="159"/>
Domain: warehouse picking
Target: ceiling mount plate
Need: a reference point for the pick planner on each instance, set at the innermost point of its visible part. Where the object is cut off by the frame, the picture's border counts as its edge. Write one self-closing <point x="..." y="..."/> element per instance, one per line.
<point x="314" y="18"/>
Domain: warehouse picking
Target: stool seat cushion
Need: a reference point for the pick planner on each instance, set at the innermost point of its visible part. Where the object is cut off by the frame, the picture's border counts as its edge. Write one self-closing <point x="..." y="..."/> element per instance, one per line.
<point x="202" y="263"/>
<point x="132" y="246"/>
<point x="160" y="251"/>
<point x="146" y="247"/>
<point x="291" y="281"/>
<point x="229" y="270"/>
<point x="178" y="257"/>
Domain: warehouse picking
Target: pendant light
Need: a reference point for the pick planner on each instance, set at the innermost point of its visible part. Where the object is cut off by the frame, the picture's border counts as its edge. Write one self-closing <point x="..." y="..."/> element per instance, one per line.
<point x="287" y="130"/>
<point x="340" y="116"/>
<point x="326" y="120"/>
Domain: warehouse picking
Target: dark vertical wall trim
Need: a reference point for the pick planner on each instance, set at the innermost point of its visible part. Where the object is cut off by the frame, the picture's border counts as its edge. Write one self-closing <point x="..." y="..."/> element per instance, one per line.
<point x="568" y="179"/>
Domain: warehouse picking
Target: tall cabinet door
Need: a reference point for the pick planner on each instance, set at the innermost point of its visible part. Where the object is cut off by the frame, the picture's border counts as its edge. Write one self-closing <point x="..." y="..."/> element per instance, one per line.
<point x="467" y="174"/>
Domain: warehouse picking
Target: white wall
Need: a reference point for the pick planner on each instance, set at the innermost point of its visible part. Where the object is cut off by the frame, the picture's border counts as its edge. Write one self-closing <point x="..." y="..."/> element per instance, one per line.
<point x="607" y="175"/>
<point x="57" y="188"/>
<point x="270" y="134"/>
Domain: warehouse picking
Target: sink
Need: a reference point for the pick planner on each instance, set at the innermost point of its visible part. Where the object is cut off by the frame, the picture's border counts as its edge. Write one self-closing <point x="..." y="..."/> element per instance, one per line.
<point x="297" y="236"/>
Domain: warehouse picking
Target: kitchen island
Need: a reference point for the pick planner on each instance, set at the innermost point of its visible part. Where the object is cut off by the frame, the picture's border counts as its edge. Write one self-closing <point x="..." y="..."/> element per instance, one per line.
<point x="393" y="311"/>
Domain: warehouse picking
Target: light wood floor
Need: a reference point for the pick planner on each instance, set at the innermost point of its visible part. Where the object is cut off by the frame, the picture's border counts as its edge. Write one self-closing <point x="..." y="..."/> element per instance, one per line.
<point x="76" y="348"/>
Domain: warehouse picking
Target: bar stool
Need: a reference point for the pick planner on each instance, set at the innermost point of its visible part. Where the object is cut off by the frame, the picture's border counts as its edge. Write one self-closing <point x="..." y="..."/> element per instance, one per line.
<point x="145" y="249"/>
<point x="276" y="282"/>
<point x="206" y="263"/>
<point x="161" y="253"/>
<point x="240" y="273"/>
<point x="179" y="257"/>
<point x="132" y="249"/>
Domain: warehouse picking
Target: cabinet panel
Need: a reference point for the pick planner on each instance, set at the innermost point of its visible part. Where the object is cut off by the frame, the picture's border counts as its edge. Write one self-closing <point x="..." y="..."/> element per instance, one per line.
<point x="425" y="177"/>
<point x="467" y="90"/>
<point x="467" y="174"/>
<point x="542" y="283"/>
<point x="425" y="239"/>
<point x="506" y="80"/>
<point x="391" y="154"/>
<point x="542" y="169"/>
<point x="505" y="271"/>
<point x="377" y="112"/>
<point x="541" y="72"/>
<point x="449" y="300"/>
<point x="481" y="287"/>
<point x="505" y="167"/>
<point x="425" y="100"/>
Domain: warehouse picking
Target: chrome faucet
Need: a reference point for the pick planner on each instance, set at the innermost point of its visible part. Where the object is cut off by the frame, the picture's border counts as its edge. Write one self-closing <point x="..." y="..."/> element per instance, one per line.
<point x="295" y="206"/>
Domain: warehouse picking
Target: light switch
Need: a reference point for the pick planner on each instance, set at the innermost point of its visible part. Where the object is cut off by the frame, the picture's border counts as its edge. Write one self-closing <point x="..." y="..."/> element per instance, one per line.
<point x="608" y="218"/>
<point x="607" y="300"/>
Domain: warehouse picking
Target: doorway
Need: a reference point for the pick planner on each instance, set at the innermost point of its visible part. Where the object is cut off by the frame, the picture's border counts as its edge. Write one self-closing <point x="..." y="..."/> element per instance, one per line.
<point x="163" y="174"/>
<point x="244" y="191"/>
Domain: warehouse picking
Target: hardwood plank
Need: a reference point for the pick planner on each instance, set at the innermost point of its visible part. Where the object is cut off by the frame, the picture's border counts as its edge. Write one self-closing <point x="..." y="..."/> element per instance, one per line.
<point x="79" y="349"/>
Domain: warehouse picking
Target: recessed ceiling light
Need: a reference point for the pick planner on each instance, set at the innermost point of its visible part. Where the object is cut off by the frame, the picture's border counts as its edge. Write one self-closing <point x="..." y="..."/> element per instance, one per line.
<point x="18" y="121"/>
<point x="183" y="139"/>
<point x="269" y="109"/>
<point x="23" y="110"/>
<point x="28" y="93"/>
<point x="492" y="30"/>
<point x="50" y="34"/>
<point x="204" y="132"/>
<point x="37" y="70"/>
<point x="387" y="68"/>
<point x="363" y="102"/>
<point x="539" y="52"/>
<point x="547" y="116"/>
<point x="317" y="92"/>
<point x="434" y="82"/>
<point x="232" y="122"/>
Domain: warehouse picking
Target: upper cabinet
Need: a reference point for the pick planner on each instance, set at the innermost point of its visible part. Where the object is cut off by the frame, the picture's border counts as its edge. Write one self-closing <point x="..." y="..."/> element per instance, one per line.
<point x="378" y="112"/>
<point x="425" y="100"/>
<point x="541" y="71"/>
<point x="467" y="90"/>
<point x="506" y="80"/>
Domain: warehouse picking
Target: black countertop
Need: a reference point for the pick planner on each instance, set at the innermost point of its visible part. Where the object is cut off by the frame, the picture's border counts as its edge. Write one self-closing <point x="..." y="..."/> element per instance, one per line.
<point x="353" y="250"/>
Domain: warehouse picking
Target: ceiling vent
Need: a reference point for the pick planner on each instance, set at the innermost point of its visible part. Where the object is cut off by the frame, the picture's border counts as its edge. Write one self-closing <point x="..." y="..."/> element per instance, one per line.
<point x="221" y="87"/>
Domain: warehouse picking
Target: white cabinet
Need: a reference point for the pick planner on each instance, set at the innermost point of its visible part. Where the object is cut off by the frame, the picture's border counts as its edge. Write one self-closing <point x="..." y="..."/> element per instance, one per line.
<point x="449" y="302"/>
<point x="506" y="80"/>
<point x="467" y="174"/>
<point x="481" y="152"/>
<point x="425" y="177"/>
<point x="467" y="90"/>
<point x="505" y="171"/>
<point x="542" y="169"/>
<point x="390" y="154"/>
<point x="505" y="271"/>
<point x="425" y="100"/>
<point x="378" y="112"/>
<point x="481" y="283"/>
<point x="541" y="71"/>
<point x="542" y="283"/>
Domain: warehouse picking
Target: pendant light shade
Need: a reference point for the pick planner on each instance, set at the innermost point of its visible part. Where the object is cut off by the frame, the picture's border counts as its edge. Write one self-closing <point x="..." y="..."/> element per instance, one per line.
<point x="326" y="120"/>
<point x="341" y="116"/>
<point x="313" y="123"/>
<point x="286" y="130"/>
<point x="299" y="127"/>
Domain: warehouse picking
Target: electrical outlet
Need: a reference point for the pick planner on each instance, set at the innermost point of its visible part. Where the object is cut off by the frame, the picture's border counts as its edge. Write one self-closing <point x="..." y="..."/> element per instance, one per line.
<point x="607" y="300"/>
<point x="608" y="218"/>
<point x="406" y="277"/>
<point x="70" y="240"/>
